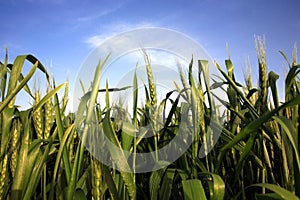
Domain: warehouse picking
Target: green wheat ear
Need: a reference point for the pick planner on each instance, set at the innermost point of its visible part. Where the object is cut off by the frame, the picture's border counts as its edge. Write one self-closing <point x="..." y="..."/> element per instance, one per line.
<point x="3" y="177"/>
<point x="16" y="128"/>
<point x="37" y="117"/>
<point x="48" y="116"/>
<point x="260" y="45"/>
<point x="151" y="83"/>
<point x="97" y="179"/>
<point x="294" y="61"/>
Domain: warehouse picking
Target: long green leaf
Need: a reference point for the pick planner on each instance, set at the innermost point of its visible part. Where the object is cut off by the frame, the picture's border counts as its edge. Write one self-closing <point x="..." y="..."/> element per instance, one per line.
<point x="118" y="156"/>
<point x="290" y="132"/>
<point x="283" y="193"/>
<point x="16" y="89"/>
<point x="254" y="125"/>
<point x="154" y="183"/>
<point x="21" y="172"/>
<point x="167" y="184"/>
<point x="68" y="132"/>
<point x="193" y="189"/>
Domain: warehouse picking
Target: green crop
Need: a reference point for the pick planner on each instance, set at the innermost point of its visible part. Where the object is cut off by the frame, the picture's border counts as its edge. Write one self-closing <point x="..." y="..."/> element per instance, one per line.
<point x="42" y="155"/>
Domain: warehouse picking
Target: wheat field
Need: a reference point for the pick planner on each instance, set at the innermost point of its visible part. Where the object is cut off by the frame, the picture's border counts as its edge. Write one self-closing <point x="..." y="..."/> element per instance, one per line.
<point x="42" y="155"/>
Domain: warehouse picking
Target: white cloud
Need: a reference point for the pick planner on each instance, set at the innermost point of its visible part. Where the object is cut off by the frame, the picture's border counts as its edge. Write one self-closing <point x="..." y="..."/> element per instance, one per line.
<point x="110" y="30"/>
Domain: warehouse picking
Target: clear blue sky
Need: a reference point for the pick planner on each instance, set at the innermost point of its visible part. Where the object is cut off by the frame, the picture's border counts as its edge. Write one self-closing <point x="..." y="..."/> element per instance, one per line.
<point x="65" y="32"/>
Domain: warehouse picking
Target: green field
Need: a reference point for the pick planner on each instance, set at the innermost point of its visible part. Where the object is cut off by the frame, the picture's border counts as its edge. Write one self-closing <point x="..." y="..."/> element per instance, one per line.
<point x="256" y="156"/>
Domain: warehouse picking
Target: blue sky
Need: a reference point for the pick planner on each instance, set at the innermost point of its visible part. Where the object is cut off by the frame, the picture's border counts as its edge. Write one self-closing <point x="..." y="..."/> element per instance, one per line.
<point x="63" y="32"/>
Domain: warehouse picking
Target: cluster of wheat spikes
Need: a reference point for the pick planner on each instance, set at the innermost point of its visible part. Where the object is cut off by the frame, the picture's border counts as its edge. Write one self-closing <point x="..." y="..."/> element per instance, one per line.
<point x="42" y="155"/>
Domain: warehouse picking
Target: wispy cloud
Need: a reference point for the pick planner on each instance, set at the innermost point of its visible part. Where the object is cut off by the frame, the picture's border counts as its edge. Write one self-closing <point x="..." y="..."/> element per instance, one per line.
<point x="99" y="14"/>
<point x="113" y="29"/>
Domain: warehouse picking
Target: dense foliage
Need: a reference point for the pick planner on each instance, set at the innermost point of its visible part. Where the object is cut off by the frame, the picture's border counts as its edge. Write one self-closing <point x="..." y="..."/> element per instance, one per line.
<point x="256" y="156"/>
